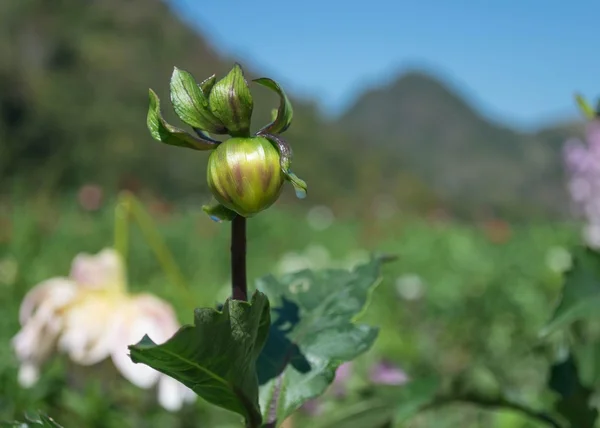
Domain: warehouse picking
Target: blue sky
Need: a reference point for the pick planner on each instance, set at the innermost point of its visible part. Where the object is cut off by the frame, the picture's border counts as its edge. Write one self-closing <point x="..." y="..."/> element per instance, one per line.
<point x="517" y="61"/>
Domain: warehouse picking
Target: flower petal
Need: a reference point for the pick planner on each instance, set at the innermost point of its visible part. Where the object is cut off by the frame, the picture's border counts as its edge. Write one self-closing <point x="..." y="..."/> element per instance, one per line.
<point x="144" y="314"/>
<point x="172" y="394"/>
<point x="90" y="327"/>
<point x="103" y="270"/>
<point x="56" y="292"/>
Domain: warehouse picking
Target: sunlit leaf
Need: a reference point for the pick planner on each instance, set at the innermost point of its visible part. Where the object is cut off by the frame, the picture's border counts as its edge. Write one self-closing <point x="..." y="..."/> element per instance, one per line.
<point x="168" y="134"/>
<point x="313" y="332"/>
<point x="216" y="357"/>
<point x="285" y="113"/>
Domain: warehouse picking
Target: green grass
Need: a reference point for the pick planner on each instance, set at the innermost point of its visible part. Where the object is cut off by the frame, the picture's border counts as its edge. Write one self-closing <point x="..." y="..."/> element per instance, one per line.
<point x="476" y="307"/>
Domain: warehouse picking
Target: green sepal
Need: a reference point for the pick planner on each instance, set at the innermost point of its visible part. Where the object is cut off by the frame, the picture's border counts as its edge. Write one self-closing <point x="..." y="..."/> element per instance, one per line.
<point x="285" y="160"/>
<point x="218" y="212"/>
<point x="285" y="113"/>
<point x="168" y="134"/>
<point x="231" y="102"/>
<point x="585" y="107"/>
<point x="207" y="84"/>
<point x="190" y="103"/>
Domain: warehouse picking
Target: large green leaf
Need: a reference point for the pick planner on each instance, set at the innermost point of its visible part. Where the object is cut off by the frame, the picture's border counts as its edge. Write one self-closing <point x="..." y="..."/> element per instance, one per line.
<point x="312" y="334"/>
<point x="284" y="114"/>
<point x="581" y="291"/>
<point x="216" y="357"/>
<point x="574" y="398"/>
<point x="191" y="103"/>
<point x="169" y="134"/>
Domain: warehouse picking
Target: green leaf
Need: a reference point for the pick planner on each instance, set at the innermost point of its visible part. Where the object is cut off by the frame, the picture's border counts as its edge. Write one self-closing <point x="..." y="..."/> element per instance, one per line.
<point x="218" y="212"/>
<point x="585" y="107"/>
<point x="231" y="102"/>
<point x="216" y="357"/>
<point x="285" y="161"/>
<point x="43" y="421"/>
<point x="581" y="291"/>
<point x="587" y="356"/>
<point x="384" y="406"/>
<point x="312" y="334"/>
<point x="190" y="103"/>
<point x="285" y="113"/>
<point x="371" y="412"/>
<point x="168" y="134"/>
<point x="413" y="396"/>
<point x="574" y="402"/>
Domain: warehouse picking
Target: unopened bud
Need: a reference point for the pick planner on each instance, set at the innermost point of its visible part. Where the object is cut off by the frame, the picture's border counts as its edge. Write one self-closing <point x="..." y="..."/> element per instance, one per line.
<point x="244" y="175"/>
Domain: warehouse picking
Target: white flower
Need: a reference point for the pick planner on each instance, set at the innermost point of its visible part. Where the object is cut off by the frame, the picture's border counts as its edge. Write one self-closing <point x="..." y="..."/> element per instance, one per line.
<point x="90" y="316"/>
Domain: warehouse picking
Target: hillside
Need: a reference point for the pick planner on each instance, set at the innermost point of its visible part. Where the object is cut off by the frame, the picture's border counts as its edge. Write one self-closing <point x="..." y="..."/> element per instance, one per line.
<point x="463" y="156"/>
<point x="74" y="77"/>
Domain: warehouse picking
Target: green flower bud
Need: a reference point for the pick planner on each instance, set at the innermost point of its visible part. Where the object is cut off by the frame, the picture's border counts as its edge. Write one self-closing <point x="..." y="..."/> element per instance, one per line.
<point x="244" y="175"/>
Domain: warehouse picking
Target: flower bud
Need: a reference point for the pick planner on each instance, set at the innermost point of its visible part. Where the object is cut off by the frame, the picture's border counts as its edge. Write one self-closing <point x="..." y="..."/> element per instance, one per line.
<point x="244" y="175"/>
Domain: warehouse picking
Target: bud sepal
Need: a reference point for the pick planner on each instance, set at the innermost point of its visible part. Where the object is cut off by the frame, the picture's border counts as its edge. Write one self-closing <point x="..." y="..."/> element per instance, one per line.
<point x="283" y="115"/>
<point x="285" y="161"/>
<point x="191" y="103"/>
<point x="218" y="213"/>
<point x="169" y="134"/>
<point x="231" y="102"/>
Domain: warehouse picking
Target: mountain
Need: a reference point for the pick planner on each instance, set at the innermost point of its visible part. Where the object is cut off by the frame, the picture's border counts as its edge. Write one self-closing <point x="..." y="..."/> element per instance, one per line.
<point x="470" y="162"/>
<point x="74" y="79"/>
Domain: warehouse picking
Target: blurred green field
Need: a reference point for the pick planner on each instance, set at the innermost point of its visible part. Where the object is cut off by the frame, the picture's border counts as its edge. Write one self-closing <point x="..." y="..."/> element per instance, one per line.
<point x="461" y="300"/>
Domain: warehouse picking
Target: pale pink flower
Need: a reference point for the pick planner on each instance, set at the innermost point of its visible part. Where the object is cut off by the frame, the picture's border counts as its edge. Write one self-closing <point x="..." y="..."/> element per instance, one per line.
<point x="582" y="160"/>
<point x="90" y="316"/>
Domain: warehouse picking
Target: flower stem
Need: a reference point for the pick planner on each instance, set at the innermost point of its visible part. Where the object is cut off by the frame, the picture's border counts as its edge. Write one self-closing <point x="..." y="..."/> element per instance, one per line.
<point x="239" y="287"/>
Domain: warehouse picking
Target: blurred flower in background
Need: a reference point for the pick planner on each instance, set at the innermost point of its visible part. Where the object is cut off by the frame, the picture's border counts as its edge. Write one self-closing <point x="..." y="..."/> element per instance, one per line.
<point x="410" y="287"/>
<point x="90" y="197"/>
<point x="320" y="217"/>
<point x="90" y="316"/>
<point x="385" y="373"/>
<point x="558" y="259"/>
<point x="582" y="160"/>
